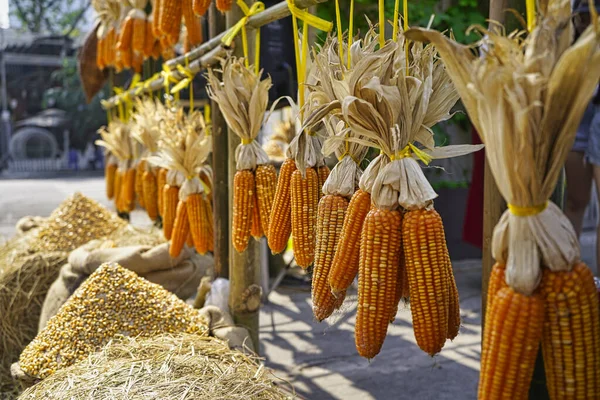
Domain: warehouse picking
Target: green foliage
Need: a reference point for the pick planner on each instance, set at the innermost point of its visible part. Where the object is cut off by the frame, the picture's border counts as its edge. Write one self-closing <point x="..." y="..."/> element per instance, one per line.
<point x="68" y="95"/>
<point x="50" y="16"/>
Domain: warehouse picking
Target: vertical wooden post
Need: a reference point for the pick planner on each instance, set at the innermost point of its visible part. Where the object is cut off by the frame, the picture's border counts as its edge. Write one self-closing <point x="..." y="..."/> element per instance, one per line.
<point x="220" y="164"/>
<point x="244" y="268"/>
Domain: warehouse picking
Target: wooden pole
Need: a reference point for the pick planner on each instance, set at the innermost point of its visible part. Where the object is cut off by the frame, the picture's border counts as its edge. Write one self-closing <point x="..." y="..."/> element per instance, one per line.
<point x="244" y="268"/>
<point x="220" y="164"/>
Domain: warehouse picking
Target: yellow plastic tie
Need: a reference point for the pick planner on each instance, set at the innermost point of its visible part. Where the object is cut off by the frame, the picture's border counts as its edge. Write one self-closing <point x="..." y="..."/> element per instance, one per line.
<point x="350" y="32"/>
<point x="530" y="4"/>
<point x="247" y="141"/>
<point x="526" y="211"/>
<point x="207" y="115"/>
<point x="381" y="23"/>
<point x="240" y="26"/>
<point x="406" y="51"/>
<point x="310" y="19"/>
<point x="408" y="151"/>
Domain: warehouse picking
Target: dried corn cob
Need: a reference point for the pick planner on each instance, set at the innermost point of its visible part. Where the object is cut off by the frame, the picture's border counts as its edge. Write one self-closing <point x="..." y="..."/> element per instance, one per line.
<point x="118" y="189"/>
<point x="345" y="262"/>
<point x="330" y="218"/>
<point x="497" y="281"/>
<point x="139" y="182"/>
<point x="224" y="5"/>
<point x="169" y="23"/>
<point x="150" y="194"/>
<point x="209" y="223"/>
<point x="280" y="221"/>
<point x="323" y="172"/>
<point x="149" y="39"/>
<point x="571" y="334"/>
<point x="138" y="35"/>
<point x="190" y="240"/>
<point x="110" y="171"/>
<point x="181" y="230"/>
<point x="137" y="62"/>
<point x="266" y="183"/>
<point x="156" y="10"/>
<point x="256" y="230"/>
<point x="170" y="200"/>
<point x="157" y="50"/>
<point x="108" y="49"/>
<point x="161" y="181"/>
<point x="192" y="24"/>
<point x="101" y="43"/>
<point x="453" y="306"/>
<point x="243" y="194"/>
<point x="513" y="334"/>
<point x="380" y="246"/>
<point x="197" y="217"/>
<point x="200" y="7"/>
<point x="129" y="190"/>
<point x="400" y="284"/>
<point x="125" y="37"/>
<point x="427" y="260"/>
<point x="304" y="194"/>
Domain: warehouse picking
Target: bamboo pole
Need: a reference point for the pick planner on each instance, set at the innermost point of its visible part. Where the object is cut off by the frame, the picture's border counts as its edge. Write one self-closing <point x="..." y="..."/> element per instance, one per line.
<point x="199" y="57"/>
<point x="244" y="268"/>
<point x="220" y="164"/>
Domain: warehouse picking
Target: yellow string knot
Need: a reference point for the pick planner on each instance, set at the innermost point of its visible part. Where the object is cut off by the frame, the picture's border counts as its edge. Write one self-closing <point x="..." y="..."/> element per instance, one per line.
<point x="247" y="141"/>
<point x="526" y="211"/>
<point x="408" y="151"/>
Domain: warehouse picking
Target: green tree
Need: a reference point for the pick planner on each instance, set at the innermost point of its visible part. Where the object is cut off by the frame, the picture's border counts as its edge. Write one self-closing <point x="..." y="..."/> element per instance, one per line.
<point x="58" y="17"/>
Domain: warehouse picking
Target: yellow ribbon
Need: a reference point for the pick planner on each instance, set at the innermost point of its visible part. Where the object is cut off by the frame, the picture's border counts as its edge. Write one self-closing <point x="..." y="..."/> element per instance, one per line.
<point x="530" y="4"/>
<point x="119" y="92"/>
<point x="184" y="83"/>
<point x="247" y="141"/>
<point x="526" y="211"/>
<point x="207" y="115"/>
<point x="350" y="30"/>
<point x="408" y="151"/>
<point x="240" y="26"/>
<point x="168" y="78"/>
<point x="406" y="51"/>
<point x="310" y="19"/>
<point x="381" y="23"/>
<point x="338" y="21"/>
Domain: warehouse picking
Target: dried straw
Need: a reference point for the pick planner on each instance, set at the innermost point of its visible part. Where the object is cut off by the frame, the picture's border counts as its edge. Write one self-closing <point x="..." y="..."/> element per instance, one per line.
<point x="163" y="367"/>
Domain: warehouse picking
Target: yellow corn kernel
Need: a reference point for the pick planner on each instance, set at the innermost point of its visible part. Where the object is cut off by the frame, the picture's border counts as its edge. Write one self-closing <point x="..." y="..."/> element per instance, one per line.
<point x="323" y="172"/>
<point x="304" y="193"/>
<point x="150" y="194"/>
<point x="266" y="184"/>
<point x="192" y="23"/>
<point x="181" y="230"/>
<point x="256" y="229"/>
<point x="280" y="221"/>
<point x="161" y="181"/>
<point x="139" y="36"/>
<point x="197" y="218"/>
<point x="170" y="200"/>
<point x="110" y="171"/>
<point x="201" y="6"/>
<point x="139" y="182"/>
<point x="243" y="202"/>
<point x="224" y="5"/>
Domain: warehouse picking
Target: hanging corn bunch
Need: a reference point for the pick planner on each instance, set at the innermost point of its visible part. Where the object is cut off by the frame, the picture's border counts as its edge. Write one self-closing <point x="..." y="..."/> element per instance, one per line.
<point x="138" y="37"/>
<point x="192" y="23"/>
<point x="107" y="15"/>
<point x="526" y="98"/>
<point x="170" y="13"/>
<point x="125" y="37"/>
<point x="243" y="98"/>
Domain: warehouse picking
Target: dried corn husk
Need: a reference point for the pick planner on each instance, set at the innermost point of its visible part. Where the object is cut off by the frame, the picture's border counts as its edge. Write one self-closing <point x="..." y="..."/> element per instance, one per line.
<point x="243" y="99"/>
<point x="526" y="98"/>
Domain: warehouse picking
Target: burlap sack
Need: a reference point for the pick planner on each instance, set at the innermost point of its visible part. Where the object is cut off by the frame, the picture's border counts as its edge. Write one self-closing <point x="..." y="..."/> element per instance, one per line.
<point x="181" y="275"/>
<point x="221" y="326"/>
<point x="28" y="223"/>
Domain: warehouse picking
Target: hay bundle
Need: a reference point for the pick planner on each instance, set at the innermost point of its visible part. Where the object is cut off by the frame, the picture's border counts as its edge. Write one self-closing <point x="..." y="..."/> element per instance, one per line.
<point x="163" y="367"/>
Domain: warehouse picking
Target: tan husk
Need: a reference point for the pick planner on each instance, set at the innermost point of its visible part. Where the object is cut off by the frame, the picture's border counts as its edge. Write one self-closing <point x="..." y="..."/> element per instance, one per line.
<point x="243" y="99"/>
<point x="526" y="98"/>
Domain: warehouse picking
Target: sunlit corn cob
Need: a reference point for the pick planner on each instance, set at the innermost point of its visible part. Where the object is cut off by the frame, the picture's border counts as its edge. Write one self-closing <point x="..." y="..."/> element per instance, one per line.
<point x="426" y="257"/>
<point x="280" y="221"/>
<point x="169" y="24"/>
<point x="138" y="36"/>
<point x="323" y="172"/>
<point x="139" y="182"/>
<point x="109" y="48"/>
<point x="161" y="182"/>
<point x="197" y="217"/>
<point x="571" y="334"/>
<point x="400" y="284"/>
<point x="192" y="24"/>
<point x="157" y="50"/>
<point x="181" y="230"/>
<point x="380" y="245"/>
<point x="100" y="44"/>
<point x="224" y="5"/>
<point x="149" y="39"/>
<point x="167" y="52"/>
<point x="125" y="37"/>
<point x="453" y="306"/>
<point x="304" y="193"/>
<point x="156" y="10"/>
<point x="345" y="262"/>
<point x="513" y="332"/>
<point x="208" y="210"/>
<point x="129" y="190"/>
<point x="112" y="301"/>
<point x="256" y="230"/>
<point x="497" y="281"/>
<point x="118" y="189"/>
<point x="110" y="171"/>
<point x="266" y="184"/>
<point x="150" y="194"/>
<point x="170" y="200"/>
<point x="329" y="227"/>
<point x="243" y="203"/>
<point x="201" y="6"/>
<point x="137" y="63"/>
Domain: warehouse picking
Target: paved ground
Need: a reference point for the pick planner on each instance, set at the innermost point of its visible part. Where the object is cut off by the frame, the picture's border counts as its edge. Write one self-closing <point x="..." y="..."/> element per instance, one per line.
<point x="319" y="358"/>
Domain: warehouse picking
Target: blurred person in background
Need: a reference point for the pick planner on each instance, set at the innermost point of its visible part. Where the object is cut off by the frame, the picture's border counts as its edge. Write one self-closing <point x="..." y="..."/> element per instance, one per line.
<point x="583" y="162"/>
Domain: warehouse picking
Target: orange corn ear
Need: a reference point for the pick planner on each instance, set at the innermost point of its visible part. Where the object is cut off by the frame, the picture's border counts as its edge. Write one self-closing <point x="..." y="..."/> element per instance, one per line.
<point x="109" y="48"/>
<point x="453" y="306"/>
<point x="189" y="241"/>
<point x="266" y="183"/>
<point x="513" y="332"/>
<point x="100" y="53"/>
<point x="200" y="7"/>
<point x="571" y="334"/>
<point x="167" y="52"/>
<point x="208" y="226"/>
<point x="129" y="190"/>
<point x="405" y="286"/>
<point x="256" y="229"/>
<point x="148" y="40"/>
<point x="197" y="218"/>
<point x="110" y="170"/>
<point x="427" y="260"/>
<point x="156" y="50"/>
<point x="156" y="10"/>
<point x="150" y="194"/>
<point x="181" y="230"/>
<point x="330" y="219"/>
<point x="169" y="24"/>
<point x="305" y="200"/>
<point x="192" y="24"/>
<point x="323" y="172"/>
<point x="137" y="63"/>
<point x="280" y="221"/>
<point x="139" y="182"/>
<point x="497" y="282"/>
<point x="139" y="36"/>
<point x="378" y="271"/>
<point x="161" y="182"/>
<point x="224" y="5"/>
<point x="345" y="262"/>
<point x="400" y="284"/>
<point x="243" y="202"/>
<point x="170" y="200"/>
<point x="125" y="37"/>
<point x="117" y="190"/>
